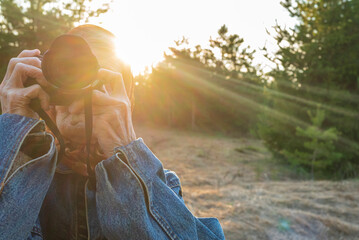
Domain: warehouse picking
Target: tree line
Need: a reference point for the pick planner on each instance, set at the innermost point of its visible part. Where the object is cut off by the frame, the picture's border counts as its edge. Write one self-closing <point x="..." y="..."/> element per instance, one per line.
<point x="307" y="115"/>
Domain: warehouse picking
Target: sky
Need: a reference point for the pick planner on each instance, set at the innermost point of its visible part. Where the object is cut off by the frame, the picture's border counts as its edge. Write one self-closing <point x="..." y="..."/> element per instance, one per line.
<point x="145" y="29"/>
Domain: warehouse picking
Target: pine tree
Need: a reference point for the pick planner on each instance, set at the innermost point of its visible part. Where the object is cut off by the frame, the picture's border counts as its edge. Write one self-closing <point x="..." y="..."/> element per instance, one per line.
<point x="317" y="62"/>
<point x="317" y="150"/>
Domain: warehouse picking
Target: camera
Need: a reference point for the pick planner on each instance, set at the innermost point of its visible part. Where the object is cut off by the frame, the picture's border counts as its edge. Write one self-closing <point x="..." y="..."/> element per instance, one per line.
<point x="70" y="68"/>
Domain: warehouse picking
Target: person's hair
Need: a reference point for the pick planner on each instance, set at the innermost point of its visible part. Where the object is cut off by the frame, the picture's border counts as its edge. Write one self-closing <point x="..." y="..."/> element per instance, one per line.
<point x="102" y="44"/>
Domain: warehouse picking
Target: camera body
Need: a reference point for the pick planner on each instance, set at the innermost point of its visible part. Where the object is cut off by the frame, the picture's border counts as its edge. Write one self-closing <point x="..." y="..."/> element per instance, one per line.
<point x="70" y="69"/>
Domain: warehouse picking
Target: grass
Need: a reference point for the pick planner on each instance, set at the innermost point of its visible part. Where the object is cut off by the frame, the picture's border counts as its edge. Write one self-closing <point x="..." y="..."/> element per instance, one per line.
<point x="264" y="165"/>
<point x="253" y="195"/>
<point x="250" y="148"/>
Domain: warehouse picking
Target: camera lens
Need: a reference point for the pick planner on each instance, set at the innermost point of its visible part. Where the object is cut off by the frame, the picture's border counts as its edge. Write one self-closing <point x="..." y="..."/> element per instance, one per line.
<point x="69" y="64"/>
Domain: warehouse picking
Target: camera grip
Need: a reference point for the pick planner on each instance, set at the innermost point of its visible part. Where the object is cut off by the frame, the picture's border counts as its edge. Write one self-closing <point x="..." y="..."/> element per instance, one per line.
<point x="34" y="103"/>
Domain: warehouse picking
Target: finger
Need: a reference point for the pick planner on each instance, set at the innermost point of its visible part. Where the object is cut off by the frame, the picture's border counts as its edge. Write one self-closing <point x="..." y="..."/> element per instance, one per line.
<point x="22" y="72"/>
<point x="114" y="79"/>
<point x="29" y="53"/>
<point x="33" y="61"/>
<point x="35" y="91"/>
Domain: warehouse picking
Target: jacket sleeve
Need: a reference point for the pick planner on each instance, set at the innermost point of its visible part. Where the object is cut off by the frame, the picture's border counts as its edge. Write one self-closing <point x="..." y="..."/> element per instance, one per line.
<point x="137" y="199"/>
<point x="24" y="179"/>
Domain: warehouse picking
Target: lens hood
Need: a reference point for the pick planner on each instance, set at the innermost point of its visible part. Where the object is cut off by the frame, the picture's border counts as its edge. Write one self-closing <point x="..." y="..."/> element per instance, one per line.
<point x="70" y="69"/>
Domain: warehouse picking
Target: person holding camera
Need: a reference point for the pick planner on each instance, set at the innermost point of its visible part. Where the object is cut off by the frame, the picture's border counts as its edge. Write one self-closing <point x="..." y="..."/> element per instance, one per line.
<point x="48" y="195"/>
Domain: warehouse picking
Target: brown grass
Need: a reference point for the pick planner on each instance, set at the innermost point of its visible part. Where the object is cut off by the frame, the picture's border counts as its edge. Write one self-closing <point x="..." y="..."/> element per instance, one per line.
<point x="235" y="181"/>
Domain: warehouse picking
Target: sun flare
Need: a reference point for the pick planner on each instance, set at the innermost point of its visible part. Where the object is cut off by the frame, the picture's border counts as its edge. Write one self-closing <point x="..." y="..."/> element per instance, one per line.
<point x="133" y="50"/>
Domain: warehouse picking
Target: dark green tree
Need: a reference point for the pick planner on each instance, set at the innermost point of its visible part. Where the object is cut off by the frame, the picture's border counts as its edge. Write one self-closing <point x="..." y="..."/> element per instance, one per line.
<point x="235" y="59"/>
<point x="323" y="49"/>
<point x="317" y="149"/>
<point x="317" y="62"/>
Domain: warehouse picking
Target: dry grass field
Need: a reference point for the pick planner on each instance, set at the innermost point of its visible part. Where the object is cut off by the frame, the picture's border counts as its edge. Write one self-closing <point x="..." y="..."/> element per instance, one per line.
<point x="234" y="180"/>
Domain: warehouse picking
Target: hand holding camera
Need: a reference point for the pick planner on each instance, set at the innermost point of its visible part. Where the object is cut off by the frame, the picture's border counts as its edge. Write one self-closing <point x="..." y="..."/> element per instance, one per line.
<point x="111" y="110"/>
<point x="66" y="72"/>
<point x="14" y="97"/>
<point x="91" y="104"/>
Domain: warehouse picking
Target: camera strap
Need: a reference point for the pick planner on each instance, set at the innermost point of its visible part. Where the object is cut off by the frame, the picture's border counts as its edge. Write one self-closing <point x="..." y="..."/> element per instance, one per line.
<point x="36" y="106"/>
<point x="88" y="129"/>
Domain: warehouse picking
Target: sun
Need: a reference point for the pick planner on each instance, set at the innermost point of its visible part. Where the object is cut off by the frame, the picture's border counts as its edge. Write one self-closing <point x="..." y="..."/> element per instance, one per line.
<point x="139" y="42"/>
<point x="137" y="51"/>
<point x="129" y="56"/>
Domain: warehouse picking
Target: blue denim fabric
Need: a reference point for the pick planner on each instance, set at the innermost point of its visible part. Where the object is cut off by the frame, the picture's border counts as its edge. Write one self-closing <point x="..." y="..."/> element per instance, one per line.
<point x="24" y="191"/>
<point x="135" y="198"/>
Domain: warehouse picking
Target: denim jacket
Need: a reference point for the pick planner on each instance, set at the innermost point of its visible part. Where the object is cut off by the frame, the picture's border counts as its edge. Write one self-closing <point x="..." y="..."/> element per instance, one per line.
<point x="135" y="198"/>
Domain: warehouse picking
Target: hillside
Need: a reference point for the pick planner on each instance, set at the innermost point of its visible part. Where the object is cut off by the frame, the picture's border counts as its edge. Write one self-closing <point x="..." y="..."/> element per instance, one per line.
<point x="235" y="181"/>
